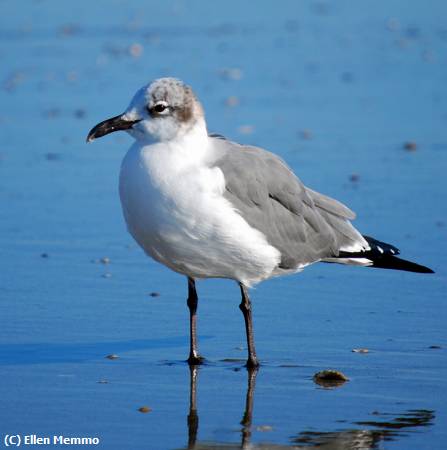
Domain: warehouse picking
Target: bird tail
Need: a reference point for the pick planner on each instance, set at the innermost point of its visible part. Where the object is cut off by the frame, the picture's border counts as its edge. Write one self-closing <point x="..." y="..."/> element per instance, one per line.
<point x="383" y="256"/>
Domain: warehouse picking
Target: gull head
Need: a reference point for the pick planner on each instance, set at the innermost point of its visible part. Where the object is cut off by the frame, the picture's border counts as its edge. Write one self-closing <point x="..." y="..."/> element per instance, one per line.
<point x="159" y="112"/>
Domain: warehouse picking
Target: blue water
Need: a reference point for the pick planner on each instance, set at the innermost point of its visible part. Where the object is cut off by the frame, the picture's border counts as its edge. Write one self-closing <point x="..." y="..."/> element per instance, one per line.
<point x="336" y="89"/>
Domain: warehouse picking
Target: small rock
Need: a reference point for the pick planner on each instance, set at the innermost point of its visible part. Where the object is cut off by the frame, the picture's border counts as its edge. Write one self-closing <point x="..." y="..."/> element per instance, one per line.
<point x="112" y="356"/>
<point x="136" y="50"/>
<point x="291" y="25"/>
<point x="246" y="129"/>
<point x="437" y="347"/>
<point x="360" y="350"/>
<point x="232" y="73"/>
<point x="320" y="8"/>
<point x="52" y="113"/>
<point x="402" y="43"/>
<point x="155" y="294"/>
<point x="69" y="29"/>
<point x="44" y="255"/>
<point x="330" y="378"/>
<point x="105" y="260"/>
<point x="264" y="428"/>
<point x="50" y="156"/>
<point x="79" y="113"/>
<point x="13" y="81"/>
<point x="71" y="76"/>
<point x="232" y="101"/>
<point x="347" y="77"/>
<point x="102" y="382"/>
<point x="354" y="177"/>
<point x="144" y="409"/>
<point x="393" y="24"/>
<point x="413" y="32"/>
<point x="410" y="146"/>
<point x="428" y="55"/>
<point x="306" y="135"/>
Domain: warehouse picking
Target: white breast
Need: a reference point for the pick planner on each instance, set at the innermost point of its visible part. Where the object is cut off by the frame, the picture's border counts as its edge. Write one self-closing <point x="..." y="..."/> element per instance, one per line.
<point x="173" y="204"/>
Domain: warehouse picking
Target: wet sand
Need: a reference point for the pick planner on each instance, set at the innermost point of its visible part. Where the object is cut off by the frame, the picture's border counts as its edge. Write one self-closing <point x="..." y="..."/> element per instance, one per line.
<point x="353" y="98"/>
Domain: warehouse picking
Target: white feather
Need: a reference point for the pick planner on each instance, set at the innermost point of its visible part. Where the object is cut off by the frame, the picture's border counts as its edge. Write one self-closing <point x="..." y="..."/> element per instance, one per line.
<point x="165" y="187"/>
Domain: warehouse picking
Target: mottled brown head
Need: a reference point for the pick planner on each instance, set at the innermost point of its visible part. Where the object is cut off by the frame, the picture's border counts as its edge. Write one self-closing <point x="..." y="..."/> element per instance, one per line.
<point x="159" y="111"/>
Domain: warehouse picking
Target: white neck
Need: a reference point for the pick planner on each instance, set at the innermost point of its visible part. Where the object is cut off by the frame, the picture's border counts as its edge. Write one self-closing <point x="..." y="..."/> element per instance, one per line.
<point x="189" y="148"/>
<point x="191" y="145"/>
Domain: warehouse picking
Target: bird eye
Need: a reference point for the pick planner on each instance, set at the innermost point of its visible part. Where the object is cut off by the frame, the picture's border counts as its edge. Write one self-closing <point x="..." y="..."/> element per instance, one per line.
<point x="158" y="108"/>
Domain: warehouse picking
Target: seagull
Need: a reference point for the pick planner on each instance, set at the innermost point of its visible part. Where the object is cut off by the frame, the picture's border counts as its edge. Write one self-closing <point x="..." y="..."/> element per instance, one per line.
<point x="207" y="207"/>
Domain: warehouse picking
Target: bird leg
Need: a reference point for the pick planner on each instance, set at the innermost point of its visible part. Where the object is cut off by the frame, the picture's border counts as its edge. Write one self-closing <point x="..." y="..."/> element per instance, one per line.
<point x="194" y="357"/>
<point x="193" y="417"/>
<point x="248" y="413"/>
<point x="245" y="307"/>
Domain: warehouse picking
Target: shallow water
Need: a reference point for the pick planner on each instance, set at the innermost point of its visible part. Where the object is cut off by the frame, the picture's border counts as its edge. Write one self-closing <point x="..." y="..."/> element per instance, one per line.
<point x="337" y="91"/>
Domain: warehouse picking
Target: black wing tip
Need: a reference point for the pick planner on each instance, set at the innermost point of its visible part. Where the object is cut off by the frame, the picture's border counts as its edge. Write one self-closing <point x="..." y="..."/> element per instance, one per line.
<point x="382" y="247"/>
<point x="383" y="256"/>
<point x="392" y="262"/>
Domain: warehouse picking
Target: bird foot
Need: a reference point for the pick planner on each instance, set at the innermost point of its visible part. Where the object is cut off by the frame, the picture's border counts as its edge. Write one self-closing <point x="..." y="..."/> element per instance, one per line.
<point x="195" y="360"/>
<point x="252" y="363"/>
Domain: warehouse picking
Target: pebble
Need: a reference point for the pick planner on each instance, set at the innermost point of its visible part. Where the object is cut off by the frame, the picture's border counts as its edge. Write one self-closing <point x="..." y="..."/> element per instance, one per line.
<point x="105" y="260"/>
<point x="155" y="294"/>
<point x="13" y="81"/>
<point x="51" y="156"/>
<point x="112" y="356"/>
<point x="232" y="101"/>
<point x="102" y="382"/>
<point x="69" y="29"/>
<point x="428" y="55"/>
<point x="360" y="350"/>
<point x="410" y="146"/>
<point x="393" y="24"/>
<point x="136" y="50"/>
<point x="413" y="32"/>
<point x="306" y="135"/>
<point x="52" y="113"/>
<point x="246" y="129"/>
<point x="79" y="113"/>
<point x="330" y="378"/>
<point x="144" y="409"/>
<point x="437" y="347"/>
<point x="347" y="77"/>
<point x="44" y="255"/>
<point x="71" y="76"/>
<point x="232" y="73"/>
<point x="354" y="177"/>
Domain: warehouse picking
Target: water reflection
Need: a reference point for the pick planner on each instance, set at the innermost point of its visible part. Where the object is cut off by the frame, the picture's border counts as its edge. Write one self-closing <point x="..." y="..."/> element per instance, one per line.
<point x="388" y="429"/>
<point x="364" y="435"/>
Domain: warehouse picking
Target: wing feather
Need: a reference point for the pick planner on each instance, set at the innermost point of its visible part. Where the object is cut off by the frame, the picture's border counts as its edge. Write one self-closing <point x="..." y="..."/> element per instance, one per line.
<point x="304" y="225"/>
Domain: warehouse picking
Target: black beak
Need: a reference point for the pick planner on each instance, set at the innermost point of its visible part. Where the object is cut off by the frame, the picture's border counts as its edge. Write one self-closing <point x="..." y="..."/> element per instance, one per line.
<point x="109" y="126"/>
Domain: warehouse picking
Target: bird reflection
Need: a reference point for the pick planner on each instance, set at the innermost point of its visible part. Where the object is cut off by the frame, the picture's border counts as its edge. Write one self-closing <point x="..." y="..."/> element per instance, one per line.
<point x="193" y="418"/>
<point x="365" y="435"/>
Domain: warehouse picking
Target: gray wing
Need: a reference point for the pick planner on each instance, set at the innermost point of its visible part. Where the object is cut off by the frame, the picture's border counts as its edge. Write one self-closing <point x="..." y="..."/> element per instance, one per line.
<point x="302" y="224"/>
